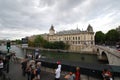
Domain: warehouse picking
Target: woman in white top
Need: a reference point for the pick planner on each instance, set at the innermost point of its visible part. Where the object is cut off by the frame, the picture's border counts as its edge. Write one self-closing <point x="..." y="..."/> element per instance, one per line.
<point x="57" y="72"/>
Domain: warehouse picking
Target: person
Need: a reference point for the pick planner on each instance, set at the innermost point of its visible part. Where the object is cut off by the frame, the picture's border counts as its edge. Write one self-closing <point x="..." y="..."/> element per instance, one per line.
<point x="14" y="57"/>
<point x="57" y="72"/>
<point x="28" y="71"/>
<point x="1" y="66"/>
<point x="70" y="76"/>
<point x="33" y="72"/>
<point x="77" y="73"/>
<point x="7" y="63"/>
<point x="107" y="75"/>
<point x="38" y="70"/>
<point x="24" y="66"/>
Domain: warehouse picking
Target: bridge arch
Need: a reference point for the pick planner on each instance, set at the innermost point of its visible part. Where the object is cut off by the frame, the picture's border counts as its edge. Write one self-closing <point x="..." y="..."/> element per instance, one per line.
<point x="104" y="57"/>
<point x="112" y="55"/>
<point x="97" y="50"/>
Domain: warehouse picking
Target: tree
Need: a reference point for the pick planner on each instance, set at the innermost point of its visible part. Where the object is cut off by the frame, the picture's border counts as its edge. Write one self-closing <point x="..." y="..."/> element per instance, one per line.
<point x="18" y="41"/>
<point x="112" y="36"/>
<point x="56" y="45"/>
<point x="59" y="45"/>
<point x="39" y="41"/>
<point x="99" y="37"/>
<point x="31" y="43"/>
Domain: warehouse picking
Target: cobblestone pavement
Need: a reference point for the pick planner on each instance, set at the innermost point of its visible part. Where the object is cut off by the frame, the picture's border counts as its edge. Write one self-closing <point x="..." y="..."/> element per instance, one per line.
<point x="15" y="73"/>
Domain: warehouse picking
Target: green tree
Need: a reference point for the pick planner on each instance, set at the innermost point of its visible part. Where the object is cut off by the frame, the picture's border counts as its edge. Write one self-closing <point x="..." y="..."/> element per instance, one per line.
<point x="31" y="43"/>
<point x="39" y="41"/>
<point x="56" y="45"/>
<point x="112" y="36"/>
<point x="59" y="45"/>
<point x="18" y="41"/>
<point x="99" y="37"/>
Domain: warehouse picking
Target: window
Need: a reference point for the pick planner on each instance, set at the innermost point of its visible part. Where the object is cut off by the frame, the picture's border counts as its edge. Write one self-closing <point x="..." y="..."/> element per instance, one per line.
<point x="73" y="38"/>
<point x="76" y="38"/>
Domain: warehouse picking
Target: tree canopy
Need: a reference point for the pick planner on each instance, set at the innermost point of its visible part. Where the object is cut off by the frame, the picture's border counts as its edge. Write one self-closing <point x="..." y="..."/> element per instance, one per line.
<point x="99" y="37"/>
<point x="40" y="42"/>
<point x="110" y="38"/>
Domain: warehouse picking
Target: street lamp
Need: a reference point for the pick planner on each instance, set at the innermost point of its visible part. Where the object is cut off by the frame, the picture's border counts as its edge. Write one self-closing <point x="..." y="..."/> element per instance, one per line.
<point x="8" y="46"/>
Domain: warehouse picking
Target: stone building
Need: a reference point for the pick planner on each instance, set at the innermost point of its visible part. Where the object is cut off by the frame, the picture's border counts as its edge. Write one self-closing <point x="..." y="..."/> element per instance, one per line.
<point x="77" y="39"/>
<point x="118" y="29"/>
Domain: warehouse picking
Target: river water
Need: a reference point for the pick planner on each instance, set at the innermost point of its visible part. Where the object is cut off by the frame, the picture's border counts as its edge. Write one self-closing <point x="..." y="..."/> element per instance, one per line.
<point x="88" y="58"/>
<point x="19" y="52"/>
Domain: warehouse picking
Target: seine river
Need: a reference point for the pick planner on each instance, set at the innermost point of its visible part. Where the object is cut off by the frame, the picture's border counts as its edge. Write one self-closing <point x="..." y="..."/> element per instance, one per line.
<point x="88" y="58"/>
<point x="77" y="57"/>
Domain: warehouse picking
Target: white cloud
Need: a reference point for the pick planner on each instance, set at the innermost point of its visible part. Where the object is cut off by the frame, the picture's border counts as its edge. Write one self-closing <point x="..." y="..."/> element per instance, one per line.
<point x="22" y="18"/>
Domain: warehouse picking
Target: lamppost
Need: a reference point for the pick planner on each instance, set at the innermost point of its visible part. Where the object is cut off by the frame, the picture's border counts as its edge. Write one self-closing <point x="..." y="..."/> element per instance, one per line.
<point x="8" y="46"/>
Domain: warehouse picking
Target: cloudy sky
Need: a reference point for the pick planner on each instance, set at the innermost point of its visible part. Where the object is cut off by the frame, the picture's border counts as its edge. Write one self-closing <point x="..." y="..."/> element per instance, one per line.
<point x="20" y="18"/>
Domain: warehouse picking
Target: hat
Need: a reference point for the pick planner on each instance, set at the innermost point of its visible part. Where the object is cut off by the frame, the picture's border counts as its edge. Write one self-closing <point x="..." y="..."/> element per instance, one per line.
<point x="58" y="62"/>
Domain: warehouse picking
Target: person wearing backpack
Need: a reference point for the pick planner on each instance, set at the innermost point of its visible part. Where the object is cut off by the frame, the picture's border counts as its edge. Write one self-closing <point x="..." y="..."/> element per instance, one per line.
<point x="38" y="71"/>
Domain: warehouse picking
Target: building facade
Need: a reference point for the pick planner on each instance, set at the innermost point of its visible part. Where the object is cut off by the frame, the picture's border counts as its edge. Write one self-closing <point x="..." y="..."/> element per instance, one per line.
<point x="118" y="29"/>
<point x="77" y="39"/>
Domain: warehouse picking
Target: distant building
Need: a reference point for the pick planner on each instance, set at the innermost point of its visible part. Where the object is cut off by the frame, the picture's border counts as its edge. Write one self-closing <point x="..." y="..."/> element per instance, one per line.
<point x="118" y="29"/>
<point x="77" y="39"/>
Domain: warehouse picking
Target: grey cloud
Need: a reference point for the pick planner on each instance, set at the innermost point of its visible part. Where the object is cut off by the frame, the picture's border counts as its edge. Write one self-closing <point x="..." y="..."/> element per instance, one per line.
<point x="28" y="15"/>
<point x="101" y="7"/>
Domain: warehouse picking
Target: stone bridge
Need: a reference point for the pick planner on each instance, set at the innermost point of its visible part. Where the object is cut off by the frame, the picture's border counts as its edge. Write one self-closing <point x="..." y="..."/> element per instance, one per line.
<point x="112" y="55"/>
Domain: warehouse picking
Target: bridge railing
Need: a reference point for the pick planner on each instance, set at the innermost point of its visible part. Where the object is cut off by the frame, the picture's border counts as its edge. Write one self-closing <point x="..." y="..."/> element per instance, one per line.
<point x="93" y="70"/>
<point x="110" y="50"/>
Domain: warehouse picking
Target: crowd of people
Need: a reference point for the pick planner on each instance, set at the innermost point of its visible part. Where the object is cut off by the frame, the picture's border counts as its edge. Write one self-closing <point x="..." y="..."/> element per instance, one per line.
<point x="4" y="63"/>
<point x="32" y="69"/>
<point x="107" y="75"/>
<point x="73" y="76"/>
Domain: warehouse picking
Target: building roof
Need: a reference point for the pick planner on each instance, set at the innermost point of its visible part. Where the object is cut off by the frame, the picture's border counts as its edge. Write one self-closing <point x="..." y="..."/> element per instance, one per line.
<point x="52" y="28"/>
<point x="73" y="31"/>
<point x="90" y="29"/>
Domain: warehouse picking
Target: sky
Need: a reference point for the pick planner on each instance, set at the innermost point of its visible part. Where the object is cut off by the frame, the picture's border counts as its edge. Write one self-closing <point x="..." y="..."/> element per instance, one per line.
<point x="21" y="18"/>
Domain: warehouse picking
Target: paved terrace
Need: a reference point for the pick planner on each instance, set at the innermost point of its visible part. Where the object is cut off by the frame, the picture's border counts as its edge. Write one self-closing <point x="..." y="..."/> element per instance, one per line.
<point x="15" y="73"/>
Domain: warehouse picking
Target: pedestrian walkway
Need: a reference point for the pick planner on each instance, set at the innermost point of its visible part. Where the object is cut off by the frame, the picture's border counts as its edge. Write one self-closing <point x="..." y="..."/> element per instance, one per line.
<point x="15" y="73"/>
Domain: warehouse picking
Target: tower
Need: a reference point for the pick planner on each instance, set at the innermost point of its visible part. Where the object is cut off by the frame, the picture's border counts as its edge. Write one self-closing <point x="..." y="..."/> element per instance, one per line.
<point x="90" y="29"/>
<point x="51" y="30"/>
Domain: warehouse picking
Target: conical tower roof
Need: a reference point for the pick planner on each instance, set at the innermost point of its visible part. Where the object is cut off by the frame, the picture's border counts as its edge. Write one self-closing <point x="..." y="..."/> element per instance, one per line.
<point x="52" y="28"/>
<point x="90" y="29"/>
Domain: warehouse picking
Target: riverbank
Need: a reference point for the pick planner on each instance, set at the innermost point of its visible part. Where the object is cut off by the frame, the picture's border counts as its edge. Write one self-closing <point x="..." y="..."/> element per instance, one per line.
<point x="59" y="50"/>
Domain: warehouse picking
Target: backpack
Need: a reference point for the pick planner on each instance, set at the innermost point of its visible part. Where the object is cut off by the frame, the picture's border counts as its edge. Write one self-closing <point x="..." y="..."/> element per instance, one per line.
<point x="38" y="71"/>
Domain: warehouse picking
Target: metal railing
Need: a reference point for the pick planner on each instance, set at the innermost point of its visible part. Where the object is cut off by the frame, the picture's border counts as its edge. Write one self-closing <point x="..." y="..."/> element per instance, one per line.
<point x="92" y="70"/>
